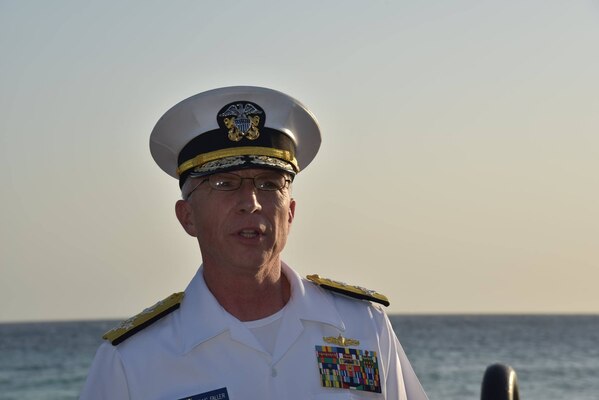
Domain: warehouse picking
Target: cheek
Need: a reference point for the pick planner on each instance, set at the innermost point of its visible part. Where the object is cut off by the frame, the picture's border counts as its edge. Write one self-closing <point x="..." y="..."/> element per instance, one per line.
<point x="209" y="237"/>
<point x="206" y="223"/>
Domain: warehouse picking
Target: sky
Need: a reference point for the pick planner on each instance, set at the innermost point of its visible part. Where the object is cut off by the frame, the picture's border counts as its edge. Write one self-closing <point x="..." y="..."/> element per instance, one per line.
<point x="458" y="171"/>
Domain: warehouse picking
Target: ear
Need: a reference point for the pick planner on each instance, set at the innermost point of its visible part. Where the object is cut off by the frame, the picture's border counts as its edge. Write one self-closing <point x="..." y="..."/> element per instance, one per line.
<point x="185" y="216"/>
<point x="291" y="213"/>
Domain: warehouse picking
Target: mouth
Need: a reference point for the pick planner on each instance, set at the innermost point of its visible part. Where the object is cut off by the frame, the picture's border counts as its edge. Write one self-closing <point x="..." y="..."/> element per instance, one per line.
<point x="250" y="233"/>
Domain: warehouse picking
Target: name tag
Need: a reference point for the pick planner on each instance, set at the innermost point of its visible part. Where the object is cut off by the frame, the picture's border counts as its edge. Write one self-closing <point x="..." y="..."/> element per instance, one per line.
<point x="345" y="368"/>
<point x="218" y="394"/>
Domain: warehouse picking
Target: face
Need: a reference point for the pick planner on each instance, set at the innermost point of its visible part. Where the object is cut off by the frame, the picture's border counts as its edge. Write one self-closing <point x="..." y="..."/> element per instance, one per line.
<point x="242" y="229"/>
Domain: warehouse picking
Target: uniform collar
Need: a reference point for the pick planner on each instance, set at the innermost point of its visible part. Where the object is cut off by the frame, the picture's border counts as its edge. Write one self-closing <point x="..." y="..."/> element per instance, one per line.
<point x="308" y="302"/>
<point x="201" y="317"/>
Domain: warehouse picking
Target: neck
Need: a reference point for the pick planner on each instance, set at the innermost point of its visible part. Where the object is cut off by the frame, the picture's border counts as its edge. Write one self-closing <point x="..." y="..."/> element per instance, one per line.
<point x="249" y="296"/>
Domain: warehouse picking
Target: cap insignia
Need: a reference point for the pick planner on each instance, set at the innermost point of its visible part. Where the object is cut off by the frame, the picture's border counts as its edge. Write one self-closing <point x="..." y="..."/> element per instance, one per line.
<point x="242" y="120"/>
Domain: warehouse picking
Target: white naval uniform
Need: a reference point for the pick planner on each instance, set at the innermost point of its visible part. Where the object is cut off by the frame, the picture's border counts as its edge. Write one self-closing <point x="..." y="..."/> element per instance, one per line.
<point x="200" y="348"/>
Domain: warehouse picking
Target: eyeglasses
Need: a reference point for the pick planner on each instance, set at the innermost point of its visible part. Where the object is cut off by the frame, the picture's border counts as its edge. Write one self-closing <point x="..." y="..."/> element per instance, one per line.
<point x="227" y="182"/>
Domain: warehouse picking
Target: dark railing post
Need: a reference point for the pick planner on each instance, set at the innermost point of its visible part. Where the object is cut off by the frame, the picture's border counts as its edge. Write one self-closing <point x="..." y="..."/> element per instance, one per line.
<point x="500" y="383"/>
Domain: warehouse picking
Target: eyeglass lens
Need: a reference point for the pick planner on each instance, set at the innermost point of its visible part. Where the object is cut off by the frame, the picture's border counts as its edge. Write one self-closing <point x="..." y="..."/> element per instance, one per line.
<point x="269" y="181"/>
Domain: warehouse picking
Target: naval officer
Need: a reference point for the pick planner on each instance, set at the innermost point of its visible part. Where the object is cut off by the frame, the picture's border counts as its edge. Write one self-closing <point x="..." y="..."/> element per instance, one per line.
<point x="248" y="326"/>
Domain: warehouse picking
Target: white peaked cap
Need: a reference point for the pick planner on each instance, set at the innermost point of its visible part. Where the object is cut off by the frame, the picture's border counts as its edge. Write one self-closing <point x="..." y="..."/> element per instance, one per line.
<point x="233" y="128"/>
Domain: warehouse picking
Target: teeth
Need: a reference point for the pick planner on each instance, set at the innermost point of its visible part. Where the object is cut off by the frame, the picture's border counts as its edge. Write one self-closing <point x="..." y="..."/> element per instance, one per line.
<point x="248" y="233"/>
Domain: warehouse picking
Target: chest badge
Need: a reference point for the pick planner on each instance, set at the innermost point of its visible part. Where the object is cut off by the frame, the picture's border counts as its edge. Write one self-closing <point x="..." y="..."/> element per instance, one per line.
<point x="341" y="341"/>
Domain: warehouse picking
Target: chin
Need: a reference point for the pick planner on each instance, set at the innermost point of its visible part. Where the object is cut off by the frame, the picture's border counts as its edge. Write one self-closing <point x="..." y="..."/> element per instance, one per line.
<point x="254" y="262"/>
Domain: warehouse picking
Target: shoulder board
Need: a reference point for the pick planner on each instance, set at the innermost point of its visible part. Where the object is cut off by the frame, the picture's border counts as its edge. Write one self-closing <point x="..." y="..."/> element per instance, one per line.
<point x="144" y="319"/>
<point x="349" y="290"/>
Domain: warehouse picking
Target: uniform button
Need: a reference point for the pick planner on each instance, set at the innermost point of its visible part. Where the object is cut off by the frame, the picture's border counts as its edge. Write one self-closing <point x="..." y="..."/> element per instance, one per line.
<point x="274" y="372"/>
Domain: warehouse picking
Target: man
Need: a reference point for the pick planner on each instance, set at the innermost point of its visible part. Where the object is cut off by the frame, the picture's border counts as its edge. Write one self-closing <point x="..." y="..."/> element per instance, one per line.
<point x="248" y="326"/>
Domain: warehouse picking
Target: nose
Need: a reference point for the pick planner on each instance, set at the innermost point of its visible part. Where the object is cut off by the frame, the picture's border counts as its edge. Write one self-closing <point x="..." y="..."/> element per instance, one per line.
<point x="248" y="197"/>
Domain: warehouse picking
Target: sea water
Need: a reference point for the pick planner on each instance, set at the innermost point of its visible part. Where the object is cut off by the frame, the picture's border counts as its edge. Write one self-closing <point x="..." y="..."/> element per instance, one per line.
<point x="555" y="357"/>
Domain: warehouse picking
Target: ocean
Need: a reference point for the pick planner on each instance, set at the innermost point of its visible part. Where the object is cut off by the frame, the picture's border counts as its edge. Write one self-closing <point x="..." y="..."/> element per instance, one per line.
<point x="556" y="357"/>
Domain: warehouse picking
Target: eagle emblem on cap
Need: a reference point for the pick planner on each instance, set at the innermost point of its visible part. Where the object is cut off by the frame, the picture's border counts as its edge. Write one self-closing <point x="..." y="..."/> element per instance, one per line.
<point x="242" y="120"/>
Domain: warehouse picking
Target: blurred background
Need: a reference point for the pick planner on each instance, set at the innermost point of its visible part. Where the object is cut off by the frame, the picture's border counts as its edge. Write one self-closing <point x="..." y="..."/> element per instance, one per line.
<point x="457" y="173"/>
